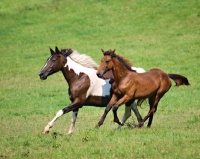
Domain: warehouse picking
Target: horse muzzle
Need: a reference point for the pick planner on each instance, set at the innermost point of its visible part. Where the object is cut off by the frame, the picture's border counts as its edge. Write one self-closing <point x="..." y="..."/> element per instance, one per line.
<point x="99" y="75"/>
<point x="42" y="76"/>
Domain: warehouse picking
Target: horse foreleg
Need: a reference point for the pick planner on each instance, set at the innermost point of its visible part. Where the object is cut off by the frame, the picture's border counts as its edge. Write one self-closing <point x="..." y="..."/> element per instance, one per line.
<point x="116" y="119"/>
<point x="123" y="100"/>
<point x="73" y="121"/>
<point x="108" y="107"/>
<point x="50" y="124"/>
<point x="150" y="120"/>
<point x="127" y="114"/>
<point x="73" y="106"/>
<point x="153" y="102"/>
<point x="150" y="116"/>
<point x="104" y="116"/>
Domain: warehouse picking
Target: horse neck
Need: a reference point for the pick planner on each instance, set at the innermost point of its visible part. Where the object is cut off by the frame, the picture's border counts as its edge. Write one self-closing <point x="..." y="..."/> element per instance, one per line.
<point x="119" y="70"/>
<point x="69" y="71"/>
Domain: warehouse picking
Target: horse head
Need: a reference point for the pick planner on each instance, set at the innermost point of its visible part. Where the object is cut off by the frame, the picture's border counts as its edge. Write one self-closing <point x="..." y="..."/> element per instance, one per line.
<point x="54" y="63"/>
<point x="106" y="63"/>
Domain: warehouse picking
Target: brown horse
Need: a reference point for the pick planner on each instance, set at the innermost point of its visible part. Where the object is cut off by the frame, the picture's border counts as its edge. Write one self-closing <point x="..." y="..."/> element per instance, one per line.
<point x="129" y="85"/>
<point x="85" y="88"/>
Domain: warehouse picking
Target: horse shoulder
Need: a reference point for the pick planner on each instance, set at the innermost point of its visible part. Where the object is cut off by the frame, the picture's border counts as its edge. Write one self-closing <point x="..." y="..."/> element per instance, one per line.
<point x="127" y="86"/>
<point x="79" y="87"/>
<point x="115" y="87"/>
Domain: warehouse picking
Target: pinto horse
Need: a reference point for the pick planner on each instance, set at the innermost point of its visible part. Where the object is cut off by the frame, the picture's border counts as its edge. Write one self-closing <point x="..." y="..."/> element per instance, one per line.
<point x="85" y="88"/>
<point x="129" y="85"/>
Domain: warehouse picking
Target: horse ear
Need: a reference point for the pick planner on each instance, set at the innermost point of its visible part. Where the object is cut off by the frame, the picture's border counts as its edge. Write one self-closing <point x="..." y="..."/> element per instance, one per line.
<point x="56" y="49"/>
<point x="52" y="52"/>
<point x="112" y="52"/>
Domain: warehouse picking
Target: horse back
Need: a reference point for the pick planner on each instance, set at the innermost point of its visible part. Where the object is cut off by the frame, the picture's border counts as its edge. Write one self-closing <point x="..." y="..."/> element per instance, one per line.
<point x="148" y="83"/>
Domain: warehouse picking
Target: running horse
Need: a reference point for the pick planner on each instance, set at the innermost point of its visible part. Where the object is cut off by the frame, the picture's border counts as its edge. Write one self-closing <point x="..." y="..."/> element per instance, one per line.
<point x="85" y="88"/>
<point x="129" y="85"/>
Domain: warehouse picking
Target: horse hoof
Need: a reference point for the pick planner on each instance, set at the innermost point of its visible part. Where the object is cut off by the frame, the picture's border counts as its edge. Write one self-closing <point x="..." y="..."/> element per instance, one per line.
<point x="45" y="132"/>
<point x="69" y="133"/>
<point x="119" y="123"/>
<point x="122" y="124"/>
<point x="140" y="125"/>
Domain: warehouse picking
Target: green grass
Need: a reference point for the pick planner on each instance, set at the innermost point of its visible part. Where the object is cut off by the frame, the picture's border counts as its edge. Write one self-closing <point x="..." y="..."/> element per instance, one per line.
<point x="163" y="34"/>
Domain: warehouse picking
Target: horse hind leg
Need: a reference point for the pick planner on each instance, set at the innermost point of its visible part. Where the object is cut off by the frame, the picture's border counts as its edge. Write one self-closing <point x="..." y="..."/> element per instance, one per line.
<point x="150" y="120"/>
<point x="130" y="105"/>
<point x="73" y="121"/>
<point x="150" y="116"/>
<point x="153" y="110"/>
<point x="126" y="115"/>
<point x="137" y="113"/>
<point x="153" y="102"/>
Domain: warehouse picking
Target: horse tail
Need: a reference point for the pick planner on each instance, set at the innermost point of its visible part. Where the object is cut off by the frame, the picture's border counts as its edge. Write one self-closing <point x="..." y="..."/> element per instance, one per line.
<point x="179" y="79"/>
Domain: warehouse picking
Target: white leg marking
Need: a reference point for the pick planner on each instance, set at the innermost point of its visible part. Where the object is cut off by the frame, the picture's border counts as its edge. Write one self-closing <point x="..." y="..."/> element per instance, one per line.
<point x="50" y="124"/>
<point x="73" y="121"/>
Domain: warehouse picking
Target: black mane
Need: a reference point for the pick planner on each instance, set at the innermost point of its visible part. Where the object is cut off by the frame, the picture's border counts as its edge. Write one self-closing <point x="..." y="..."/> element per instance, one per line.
<point x="66" y="52"/>
<point x="122" y="60"/>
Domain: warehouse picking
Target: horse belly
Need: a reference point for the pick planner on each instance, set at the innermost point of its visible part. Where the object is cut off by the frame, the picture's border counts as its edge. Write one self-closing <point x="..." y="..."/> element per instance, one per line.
<point x="143" y="94"/>
<point x="97" y="101"/>
<point x="147" y="90"/>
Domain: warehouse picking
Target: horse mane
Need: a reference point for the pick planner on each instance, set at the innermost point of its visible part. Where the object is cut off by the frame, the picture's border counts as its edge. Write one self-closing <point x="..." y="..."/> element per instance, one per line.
<point x="81" y="59"/>
<point x="123" y="60"/>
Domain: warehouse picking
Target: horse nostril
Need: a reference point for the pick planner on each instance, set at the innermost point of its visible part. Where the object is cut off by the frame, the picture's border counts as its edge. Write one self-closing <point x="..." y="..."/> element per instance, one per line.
<point x="98" y="75"/>
<point x="40" y="74"/>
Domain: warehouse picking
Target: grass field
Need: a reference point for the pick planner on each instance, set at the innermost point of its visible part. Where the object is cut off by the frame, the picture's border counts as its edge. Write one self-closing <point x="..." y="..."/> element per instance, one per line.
<point x="163" y="34"/>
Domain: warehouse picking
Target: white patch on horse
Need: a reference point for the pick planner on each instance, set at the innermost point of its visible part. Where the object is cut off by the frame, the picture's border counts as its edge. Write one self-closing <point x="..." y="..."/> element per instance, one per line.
<point x="46" y="63"/>
<point x="138" y="69"/>
<point x="98" y="86"/>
